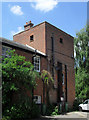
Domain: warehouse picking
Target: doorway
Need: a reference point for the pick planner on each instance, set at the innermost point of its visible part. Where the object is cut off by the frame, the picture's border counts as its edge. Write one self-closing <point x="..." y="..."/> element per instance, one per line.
<point x="59" y="79"/>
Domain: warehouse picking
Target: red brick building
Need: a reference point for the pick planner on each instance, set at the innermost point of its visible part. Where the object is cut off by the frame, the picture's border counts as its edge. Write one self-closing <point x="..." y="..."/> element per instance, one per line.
<point x="55" y="53"/>
<point x="29" y="53"/>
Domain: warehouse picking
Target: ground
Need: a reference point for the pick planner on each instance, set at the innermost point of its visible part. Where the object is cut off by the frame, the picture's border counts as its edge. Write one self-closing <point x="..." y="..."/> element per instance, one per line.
<point x="68" y="116"/>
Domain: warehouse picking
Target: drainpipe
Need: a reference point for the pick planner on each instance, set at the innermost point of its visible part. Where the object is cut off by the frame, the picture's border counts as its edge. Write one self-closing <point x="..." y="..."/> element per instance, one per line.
<point x="66" y="82"/>
<point x="52" y="41"/>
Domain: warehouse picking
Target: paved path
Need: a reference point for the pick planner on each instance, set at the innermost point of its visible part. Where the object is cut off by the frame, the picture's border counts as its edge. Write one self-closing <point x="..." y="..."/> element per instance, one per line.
<point x="68" y="116"/>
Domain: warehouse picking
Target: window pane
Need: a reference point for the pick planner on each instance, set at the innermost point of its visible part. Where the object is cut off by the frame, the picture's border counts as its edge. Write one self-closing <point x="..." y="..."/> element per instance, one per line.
<point x="37" y="64"/>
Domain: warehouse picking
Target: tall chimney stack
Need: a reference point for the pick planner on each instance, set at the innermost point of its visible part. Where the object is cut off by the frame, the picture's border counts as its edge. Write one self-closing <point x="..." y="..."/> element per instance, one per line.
<point x="28" y="25"/>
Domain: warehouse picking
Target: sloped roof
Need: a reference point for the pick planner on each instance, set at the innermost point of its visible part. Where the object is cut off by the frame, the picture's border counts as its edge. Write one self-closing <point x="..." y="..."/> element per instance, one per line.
<point x="25" y="47"/>
<point x="41" y="24"/>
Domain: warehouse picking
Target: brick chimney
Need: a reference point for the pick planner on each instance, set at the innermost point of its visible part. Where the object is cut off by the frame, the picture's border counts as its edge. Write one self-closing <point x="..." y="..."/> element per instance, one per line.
<point x="28" y="25"/>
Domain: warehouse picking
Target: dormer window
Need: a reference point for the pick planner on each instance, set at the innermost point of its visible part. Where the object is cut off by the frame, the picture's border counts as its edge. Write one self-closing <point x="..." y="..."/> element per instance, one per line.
<point x="31" y="38"/>
<point x="61" y="40"/>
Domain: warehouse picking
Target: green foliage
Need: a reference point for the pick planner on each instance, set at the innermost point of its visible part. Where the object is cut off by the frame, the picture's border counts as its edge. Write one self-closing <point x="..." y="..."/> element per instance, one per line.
<point x="48" y="82"/>
<point x="4" y="118"/>
<point x="82" y="84"/>
<point x="82" y="63"/>
<point x="18" y="77"/>
<point x="55" y="112"/>
<point x="34" y="111"/>
<point x="20" y="111"/>
<point x="0" y="70"/>
<point x="76" y="104"/>
<point x="50" y="109"/>
<point x="46" y="76"/>
<point x="82" y="47"/>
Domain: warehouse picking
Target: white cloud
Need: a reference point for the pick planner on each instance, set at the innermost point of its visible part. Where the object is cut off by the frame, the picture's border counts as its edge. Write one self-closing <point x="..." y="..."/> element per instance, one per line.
<point x="16" y="9"/>
<point x="44" y="5"/>
<point x="19" y="29"/>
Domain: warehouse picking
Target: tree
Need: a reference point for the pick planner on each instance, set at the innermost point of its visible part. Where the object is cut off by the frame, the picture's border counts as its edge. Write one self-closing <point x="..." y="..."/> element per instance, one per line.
<point x="82" y="47"/>
<point x="18" y="76"/>
<point x="82" y="84"/>
<point x="48" y="82"/>
<point x="82" y="63"/>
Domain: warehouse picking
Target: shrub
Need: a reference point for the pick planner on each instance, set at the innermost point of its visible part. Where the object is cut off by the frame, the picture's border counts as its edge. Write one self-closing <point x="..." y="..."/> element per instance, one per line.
<point x="4" y="118"/>
<point x="76" y="104"/>
<point x="50" y="109"/>
<point x="20" y="111"/>
<point x="34" y="111"/>
<point x="18" y="78"/>
<point x="55" y="112"/>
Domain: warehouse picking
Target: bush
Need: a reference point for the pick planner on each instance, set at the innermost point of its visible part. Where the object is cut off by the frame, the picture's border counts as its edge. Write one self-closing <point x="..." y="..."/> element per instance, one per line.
<point x="16" y="112"/>
<point x="18" y="78"/>
<point x="50" y="109"/>
<point x="20" y="111"/>
<point x="55" y="112"/>
<point x="34" y="111"/>
<point x="4" y="118"/>
<point x="76" y="104"/>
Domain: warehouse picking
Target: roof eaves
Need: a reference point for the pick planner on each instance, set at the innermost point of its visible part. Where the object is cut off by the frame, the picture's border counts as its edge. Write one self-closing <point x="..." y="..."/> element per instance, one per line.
<point x="26" y="47"/>
<point x="59" y="29"/>
<point x="36" y="50"/>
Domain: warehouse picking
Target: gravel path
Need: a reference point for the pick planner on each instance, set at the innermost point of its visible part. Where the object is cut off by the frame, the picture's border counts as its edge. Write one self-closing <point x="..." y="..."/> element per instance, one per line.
<point x="68" y="116"/>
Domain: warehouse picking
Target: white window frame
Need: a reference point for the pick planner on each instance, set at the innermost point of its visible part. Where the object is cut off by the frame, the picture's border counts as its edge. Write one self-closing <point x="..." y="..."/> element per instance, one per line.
<point x="5" y="54"/>
<point x="37" y="99"/>
<point x="38" y="57"/>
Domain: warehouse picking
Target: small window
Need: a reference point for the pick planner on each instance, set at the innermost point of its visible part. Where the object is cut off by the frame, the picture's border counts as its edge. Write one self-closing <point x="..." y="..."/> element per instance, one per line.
<point x="37" y="63"/>
<point x="31" y="38"/>
<point x="37" y="99"/>
<point x="61" y="40"/>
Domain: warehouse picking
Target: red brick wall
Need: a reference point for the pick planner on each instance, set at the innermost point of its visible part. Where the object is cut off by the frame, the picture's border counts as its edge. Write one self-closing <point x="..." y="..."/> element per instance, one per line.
<point x="39" y="87"/>
<point x="43" y="64"/>
<point x="28" y="55"/>
<point x="39" y="37"/>
<point x="62" y="53"/>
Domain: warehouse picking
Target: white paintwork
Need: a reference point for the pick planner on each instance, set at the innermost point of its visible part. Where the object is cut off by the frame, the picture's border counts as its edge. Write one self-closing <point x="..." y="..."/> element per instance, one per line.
<point x="36" y="50"/>
<point x="37" y="99"/>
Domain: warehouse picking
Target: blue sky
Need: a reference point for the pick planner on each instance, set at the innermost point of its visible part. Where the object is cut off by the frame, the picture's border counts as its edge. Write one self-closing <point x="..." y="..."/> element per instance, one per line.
<point x="67" y="16"/>
<point x="88" y="13"/>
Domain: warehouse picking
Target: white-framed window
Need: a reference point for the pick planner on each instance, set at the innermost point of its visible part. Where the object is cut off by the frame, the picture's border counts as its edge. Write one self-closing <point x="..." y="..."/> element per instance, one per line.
<point x="5" y="51"/>
<point x="37" y="63"/>
<point x="37" y="99"/>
